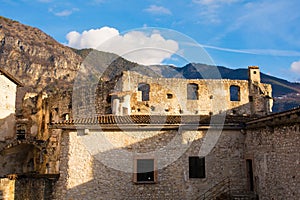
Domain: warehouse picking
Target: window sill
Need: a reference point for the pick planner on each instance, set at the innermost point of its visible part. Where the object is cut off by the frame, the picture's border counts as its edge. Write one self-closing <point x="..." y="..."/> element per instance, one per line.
<point x="145" y="182"/>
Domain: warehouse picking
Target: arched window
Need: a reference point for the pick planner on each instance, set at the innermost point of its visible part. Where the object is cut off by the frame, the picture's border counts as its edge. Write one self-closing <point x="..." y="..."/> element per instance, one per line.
<point x="192" y="91"/>
<point x="145" y="89"/>
<point x="234" y="93"/>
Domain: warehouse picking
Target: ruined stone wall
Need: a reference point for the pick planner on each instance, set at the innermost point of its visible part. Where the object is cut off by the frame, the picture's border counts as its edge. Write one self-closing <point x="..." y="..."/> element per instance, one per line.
<point x="275" y="154"/>
<point x="91" y="161"/>
<point x="7" y="107"/>
<point x="169" y="96"/>
<point x="7" y="187"/>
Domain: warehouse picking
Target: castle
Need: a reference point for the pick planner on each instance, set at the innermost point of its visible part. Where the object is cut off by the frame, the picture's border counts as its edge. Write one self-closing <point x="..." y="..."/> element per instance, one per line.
<point x="163" y="138"/>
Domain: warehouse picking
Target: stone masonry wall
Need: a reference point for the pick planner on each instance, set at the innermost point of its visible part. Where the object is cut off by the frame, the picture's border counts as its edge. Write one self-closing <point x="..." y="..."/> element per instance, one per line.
<point x="276" y="156"/>
<point x="99" y="165"/>
<point x="213" y="96"/>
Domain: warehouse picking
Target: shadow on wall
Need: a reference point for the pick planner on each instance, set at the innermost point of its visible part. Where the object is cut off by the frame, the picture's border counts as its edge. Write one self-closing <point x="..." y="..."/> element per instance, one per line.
<point x="7" y="127"/>
<point x="18" y="159"/>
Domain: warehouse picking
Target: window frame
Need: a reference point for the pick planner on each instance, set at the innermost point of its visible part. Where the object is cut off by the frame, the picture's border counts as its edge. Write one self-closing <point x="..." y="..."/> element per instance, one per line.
<point x="135" y="173"/>
<point x="200" y="167"/>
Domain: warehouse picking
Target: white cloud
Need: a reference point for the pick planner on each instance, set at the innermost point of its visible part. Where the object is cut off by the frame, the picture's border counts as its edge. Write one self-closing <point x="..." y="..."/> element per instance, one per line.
<point x="210" y="10"/>
<point x="154" y="9"/>
<point x="269" y="52"/>
<point x="295" y="67"/>
<point x="135" y="46"/>
<point x="63" y="13"/>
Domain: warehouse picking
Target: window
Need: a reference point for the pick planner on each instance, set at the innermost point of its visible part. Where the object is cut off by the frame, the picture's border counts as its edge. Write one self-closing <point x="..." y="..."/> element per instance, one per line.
<point x="145" y="171"/>
<point x="145" y="89"/>
<point x="192" y="91"/>
<point x="234" y="93"/>
<point x="169" y="96"/>
<point x="250" y="98"/>
<point x="21" y="132"/>
<point x="196" y="167"/>
<point x="66" y="116"/>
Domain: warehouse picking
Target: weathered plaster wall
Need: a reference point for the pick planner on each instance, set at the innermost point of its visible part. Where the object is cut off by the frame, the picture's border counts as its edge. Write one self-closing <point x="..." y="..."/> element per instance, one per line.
<point x="7" y="188"/>
<point x="89" y="164"/>
<point x="275" y="152"/>
<point x="7" y="107"/>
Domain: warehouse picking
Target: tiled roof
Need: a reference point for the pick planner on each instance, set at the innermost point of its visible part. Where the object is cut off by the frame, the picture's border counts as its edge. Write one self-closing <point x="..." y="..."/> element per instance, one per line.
<point x="275" y="119"/>
<point x="153" y="120"/>
<point x="10" y="77"/>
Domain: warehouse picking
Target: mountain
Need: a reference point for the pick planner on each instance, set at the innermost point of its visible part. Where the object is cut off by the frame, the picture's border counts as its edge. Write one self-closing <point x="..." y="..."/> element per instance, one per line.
<point x="43" y="64"/>
<point x="34" y="57"/>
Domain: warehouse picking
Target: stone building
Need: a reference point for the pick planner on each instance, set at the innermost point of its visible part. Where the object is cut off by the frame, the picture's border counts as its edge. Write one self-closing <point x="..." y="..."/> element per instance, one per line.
<point x="165" y="139"/>
<point x="137" y="94"/>
<point x="9" y="86"/>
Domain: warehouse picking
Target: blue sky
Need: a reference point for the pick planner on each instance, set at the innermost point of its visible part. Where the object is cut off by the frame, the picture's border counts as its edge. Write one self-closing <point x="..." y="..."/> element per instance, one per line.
<point x="235" y="33"/>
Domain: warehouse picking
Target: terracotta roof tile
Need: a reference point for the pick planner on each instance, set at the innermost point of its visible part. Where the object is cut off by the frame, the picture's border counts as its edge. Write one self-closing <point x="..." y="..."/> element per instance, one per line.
<point x="153" y="119"/>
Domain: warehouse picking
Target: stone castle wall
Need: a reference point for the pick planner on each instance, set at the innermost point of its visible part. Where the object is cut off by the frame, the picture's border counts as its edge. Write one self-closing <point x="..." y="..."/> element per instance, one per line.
<point x="275" y="154"/>
<point x="170" y="96"/>
<point x="90" y="166"/>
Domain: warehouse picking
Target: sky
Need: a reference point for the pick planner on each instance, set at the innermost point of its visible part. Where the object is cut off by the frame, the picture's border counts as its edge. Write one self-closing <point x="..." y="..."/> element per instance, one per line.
<point x="231" y="33"/>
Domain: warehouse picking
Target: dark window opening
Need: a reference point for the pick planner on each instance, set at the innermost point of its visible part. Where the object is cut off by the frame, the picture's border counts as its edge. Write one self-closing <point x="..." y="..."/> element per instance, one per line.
<point x="234" y="93"/>
<point x="196" y="167"/>
<point x="109" y="99"/>
<point x="250" y="174"/>
<point x="145" y="89"/>
<point x="192" y="91"/>
<point x="145" y="170"/>
<point x="254" y="72"/>
<point x="21" y="134"/>
<point x="169" y="96"/>
<point x="108" y="110"/>
<point x="66" y="116"/>
<point x="250" y="98"/>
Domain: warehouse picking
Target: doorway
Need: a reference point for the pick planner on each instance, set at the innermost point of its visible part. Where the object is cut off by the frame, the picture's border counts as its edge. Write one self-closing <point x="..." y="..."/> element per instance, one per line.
<point x="250" y="180"/>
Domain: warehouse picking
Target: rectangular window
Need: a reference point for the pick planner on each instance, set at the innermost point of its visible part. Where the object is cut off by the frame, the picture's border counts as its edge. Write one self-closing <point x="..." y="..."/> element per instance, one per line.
<point x="145" y="89"/>
<point x="145" y="171"/>
<point x="234" y="93"/>
<point x="192" y="91"/>
<point x="196" y="167"/>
